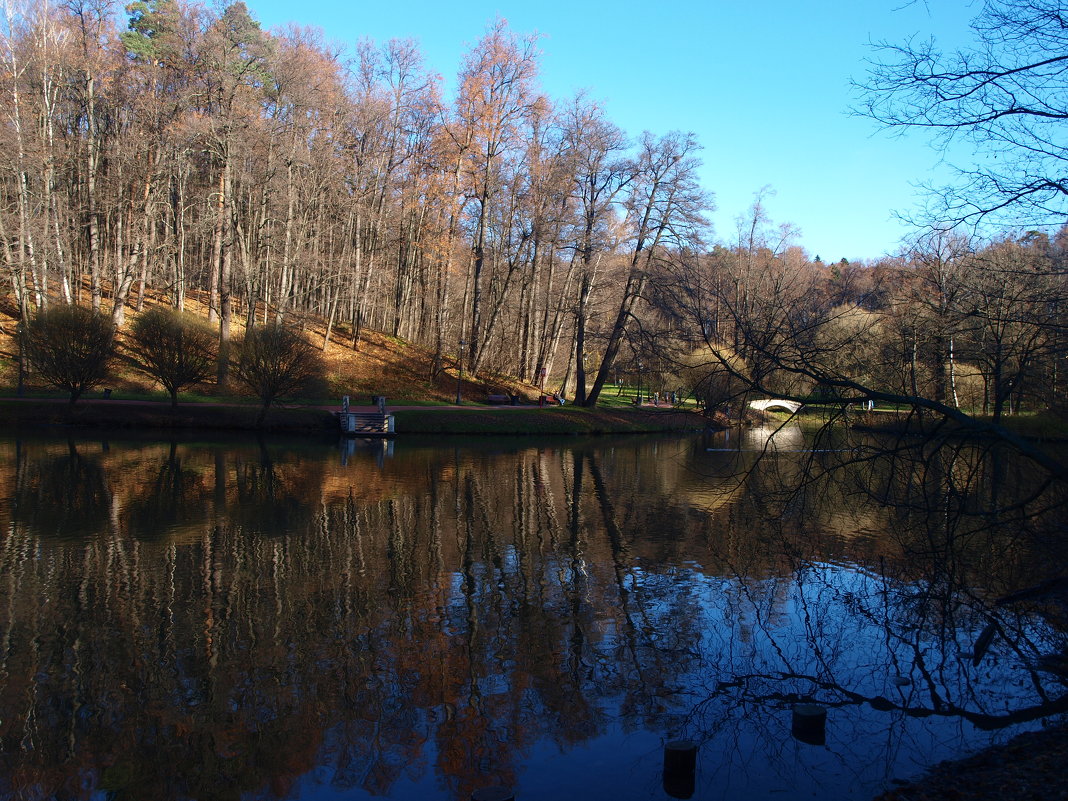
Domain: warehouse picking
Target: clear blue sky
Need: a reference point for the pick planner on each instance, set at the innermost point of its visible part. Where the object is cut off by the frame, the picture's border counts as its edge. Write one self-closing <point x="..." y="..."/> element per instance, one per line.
<point x="765" y="86"/>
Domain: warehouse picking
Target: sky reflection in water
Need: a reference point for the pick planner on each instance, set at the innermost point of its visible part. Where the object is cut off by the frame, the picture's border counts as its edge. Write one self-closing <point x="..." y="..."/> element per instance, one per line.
<point x="408" y="621"/>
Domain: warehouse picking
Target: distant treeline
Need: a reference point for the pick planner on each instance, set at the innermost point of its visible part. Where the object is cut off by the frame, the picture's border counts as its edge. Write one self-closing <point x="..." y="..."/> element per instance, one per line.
<point x="184" y="150"/>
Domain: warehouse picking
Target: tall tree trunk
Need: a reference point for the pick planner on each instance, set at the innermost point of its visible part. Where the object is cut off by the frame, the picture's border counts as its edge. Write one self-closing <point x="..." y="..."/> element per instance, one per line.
<point x="631" y="294"/>
<point x="646" y="241"/>
<point x="581" y="317"/>
<point x="547" y="357"/>
<point x="477" y="264"/>
<point x="91" y="161"/>
<point x="225" y="234"/>
<point x="138" y="247"/>
<point x="218" y="234"/>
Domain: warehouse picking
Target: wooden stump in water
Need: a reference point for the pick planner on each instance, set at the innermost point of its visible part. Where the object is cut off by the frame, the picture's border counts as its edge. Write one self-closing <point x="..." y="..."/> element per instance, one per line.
<point x="493" y="794"/>
<point x="810" y="724"/>
<point x="680" y="764"/>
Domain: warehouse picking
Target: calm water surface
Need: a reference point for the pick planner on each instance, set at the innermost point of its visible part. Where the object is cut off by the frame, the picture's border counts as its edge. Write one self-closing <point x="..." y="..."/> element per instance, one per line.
<point x="416" y="621"/>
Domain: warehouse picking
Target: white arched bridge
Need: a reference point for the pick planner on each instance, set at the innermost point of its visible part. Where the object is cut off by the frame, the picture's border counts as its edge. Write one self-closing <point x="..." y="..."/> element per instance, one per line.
<point x="775" y="403"/>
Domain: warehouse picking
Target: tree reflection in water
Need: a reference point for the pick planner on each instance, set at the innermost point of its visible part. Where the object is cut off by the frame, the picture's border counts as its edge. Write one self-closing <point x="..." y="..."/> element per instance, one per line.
<point x="261" y="621"/>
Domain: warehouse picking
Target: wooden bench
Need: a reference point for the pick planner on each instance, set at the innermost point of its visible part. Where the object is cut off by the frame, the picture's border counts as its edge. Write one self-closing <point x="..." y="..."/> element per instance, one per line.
<point x="500" y="399"/>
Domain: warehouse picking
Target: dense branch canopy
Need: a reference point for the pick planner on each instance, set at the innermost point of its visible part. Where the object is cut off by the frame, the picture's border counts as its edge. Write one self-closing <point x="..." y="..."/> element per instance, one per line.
<point x="1006" y="96"/>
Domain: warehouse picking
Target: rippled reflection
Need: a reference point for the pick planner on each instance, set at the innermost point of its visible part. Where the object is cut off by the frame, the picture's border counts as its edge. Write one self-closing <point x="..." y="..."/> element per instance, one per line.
<point x="271" y="620"/>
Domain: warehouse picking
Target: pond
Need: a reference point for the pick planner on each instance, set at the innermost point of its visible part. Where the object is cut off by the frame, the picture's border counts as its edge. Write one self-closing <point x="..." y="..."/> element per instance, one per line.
<point x="419" y="620"/>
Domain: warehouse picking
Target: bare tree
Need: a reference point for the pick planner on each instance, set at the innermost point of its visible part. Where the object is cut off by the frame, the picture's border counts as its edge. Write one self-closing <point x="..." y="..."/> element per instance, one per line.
<point x="195" y="152"/>
<point x="665" y="209"/>
<point x="1006" y="96"/>
<point x="493" y="106"/>
<point x="939" y="298"/>
<point x="599" y="174"/>
<point x="789" y="340"/>
<point x="1012" y="310"/>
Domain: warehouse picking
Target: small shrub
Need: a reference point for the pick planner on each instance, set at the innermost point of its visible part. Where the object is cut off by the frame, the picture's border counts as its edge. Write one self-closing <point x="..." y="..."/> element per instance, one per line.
<point x="274" y="361"/>
<point x="177" y="350"/>
<point x="71" y="347"/>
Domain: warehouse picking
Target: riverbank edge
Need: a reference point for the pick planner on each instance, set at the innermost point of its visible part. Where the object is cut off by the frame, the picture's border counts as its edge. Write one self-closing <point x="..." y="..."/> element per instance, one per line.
<point x="1030" y="765"/>
<point x="1048" y="427"/>
<point x="566" y="420"/>
<point x="468" y="421"/>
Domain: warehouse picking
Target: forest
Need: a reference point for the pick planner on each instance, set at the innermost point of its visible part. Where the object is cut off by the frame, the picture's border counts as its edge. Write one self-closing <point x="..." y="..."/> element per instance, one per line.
<point x="182" y="155"/>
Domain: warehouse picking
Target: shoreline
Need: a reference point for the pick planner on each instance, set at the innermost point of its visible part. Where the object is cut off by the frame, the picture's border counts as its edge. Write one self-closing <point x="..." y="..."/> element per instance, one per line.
<point x="472" y="420"/>
<point x="1030" y="765"/>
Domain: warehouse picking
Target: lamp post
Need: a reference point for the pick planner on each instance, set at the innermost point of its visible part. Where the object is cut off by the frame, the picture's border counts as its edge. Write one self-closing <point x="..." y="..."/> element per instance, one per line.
<point x="639" y="382"/>
<point x="460" y="374"/>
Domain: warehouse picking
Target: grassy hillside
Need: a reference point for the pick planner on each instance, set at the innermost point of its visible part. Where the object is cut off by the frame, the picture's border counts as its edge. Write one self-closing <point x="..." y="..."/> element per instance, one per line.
<point x="374" y="365"/>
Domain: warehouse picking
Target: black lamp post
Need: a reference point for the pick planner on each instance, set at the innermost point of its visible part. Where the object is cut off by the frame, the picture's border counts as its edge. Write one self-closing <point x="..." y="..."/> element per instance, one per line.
<point x="460" y="374"/>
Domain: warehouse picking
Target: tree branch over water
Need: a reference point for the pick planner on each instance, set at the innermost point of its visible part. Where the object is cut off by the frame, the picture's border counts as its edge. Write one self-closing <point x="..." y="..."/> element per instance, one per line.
<point x="1005" y="96"/>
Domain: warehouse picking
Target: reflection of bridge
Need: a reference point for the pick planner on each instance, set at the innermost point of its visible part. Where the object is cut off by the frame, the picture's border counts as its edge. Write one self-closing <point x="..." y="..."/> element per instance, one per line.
<point x="775" y="403"/>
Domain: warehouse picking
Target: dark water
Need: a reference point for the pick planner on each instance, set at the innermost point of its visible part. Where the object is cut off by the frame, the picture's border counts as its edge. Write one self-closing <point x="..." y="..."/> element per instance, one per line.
<point x="416" y="621"/>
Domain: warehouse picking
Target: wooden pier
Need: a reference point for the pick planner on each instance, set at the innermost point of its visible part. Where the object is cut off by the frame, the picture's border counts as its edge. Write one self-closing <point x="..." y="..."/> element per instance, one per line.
<point x="365" y="424"/>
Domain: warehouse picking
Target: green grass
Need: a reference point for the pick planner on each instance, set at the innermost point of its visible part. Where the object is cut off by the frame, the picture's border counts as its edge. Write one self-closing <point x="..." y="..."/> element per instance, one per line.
<point x="1041" y="425"/>
<point x="612" y="397"/>
<point x="411" y="402"/>
<point x="548" y="421"/>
